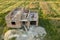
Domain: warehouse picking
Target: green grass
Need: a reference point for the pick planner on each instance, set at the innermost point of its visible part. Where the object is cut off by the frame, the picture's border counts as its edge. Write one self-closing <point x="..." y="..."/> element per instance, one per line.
<point x="13" y="38"/>
<point x="50" y="26"/>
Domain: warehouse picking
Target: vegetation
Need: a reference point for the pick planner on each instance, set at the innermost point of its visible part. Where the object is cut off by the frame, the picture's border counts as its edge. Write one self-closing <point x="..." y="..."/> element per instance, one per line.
<point x="49" y="20"/>
<point x="13" y="38"/>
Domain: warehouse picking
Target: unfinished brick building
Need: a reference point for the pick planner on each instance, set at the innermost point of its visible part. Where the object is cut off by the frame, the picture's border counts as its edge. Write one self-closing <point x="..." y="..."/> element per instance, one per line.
<point x="21" y="16"/>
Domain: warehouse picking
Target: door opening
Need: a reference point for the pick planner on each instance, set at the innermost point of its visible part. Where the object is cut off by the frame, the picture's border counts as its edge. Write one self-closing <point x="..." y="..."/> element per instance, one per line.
<point x="32" y="22"/>
<point x="13" y="23"/>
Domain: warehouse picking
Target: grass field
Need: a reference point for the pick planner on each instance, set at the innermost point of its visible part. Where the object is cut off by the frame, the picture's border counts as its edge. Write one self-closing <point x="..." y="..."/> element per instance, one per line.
<point x="49" y="15"/>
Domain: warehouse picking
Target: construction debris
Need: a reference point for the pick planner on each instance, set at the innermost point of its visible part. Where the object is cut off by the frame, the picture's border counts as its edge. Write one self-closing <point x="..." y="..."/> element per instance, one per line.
<point x="34" y="33"/>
